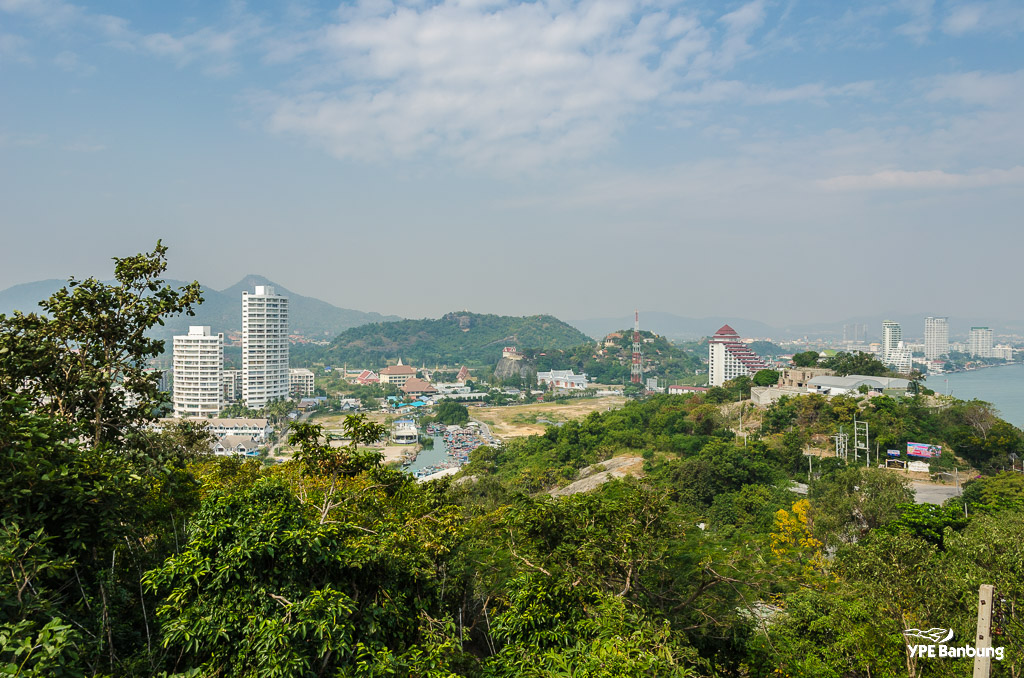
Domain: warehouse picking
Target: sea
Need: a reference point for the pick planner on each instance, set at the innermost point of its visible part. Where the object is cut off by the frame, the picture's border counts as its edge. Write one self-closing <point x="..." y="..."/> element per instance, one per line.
<point x="1003" y="386"/>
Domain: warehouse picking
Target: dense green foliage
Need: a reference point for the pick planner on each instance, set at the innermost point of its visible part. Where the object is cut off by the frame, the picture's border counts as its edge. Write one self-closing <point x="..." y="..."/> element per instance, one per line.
<point x="855" y="363"/>
<point x="451" y="412"/>
<point x="134" y="554"/>
<point x="608" y="362"/>
<point x="806" y="359"/>
<point x="453" y="339"/>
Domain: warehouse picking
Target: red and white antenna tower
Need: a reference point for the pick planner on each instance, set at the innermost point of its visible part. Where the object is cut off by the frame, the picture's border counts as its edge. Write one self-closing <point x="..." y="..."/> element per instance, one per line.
<point x="635" y="371"/>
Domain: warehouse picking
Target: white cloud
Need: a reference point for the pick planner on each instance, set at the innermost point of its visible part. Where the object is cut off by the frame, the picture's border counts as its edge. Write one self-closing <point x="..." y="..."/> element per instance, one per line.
<point x="85" y="147"/>
<point x="925" y="179"/>
<point x="921" y="21"/>
<point x="979" y="88"/>
<point x="740" y="26"/>
<point x="72" y="63"/>
<point x="217" y="48"/>
<point x="504" y="83"/>
<point x="14" y="48"/>
<point x="722" y="91"/>
<point x="1000" y="16"/>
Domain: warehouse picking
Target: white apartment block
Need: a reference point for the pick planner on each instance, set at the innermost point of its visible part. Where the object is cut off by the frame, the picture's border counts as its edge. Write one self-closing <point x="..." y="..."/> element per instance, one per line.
<point x="936" y="337"/>
<point x="252" y="429"/>
<point x="729" y="357"/>
<point x="264" y="347"/>
<point x="979" y="342"/>
<point x="301" y="381"/>
<point x="892" y="335"/>
<point x="901" y="359"/>
<point x="1004" y="351"/>
<point x="198" y="361"/>
<point x="231" y="385"/>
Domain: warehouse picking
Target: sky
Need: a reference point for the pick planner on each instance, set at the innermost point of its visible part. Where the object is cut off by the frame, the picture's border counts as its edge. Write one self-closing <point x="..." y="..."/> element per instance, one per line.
<point x="781" y="161"/>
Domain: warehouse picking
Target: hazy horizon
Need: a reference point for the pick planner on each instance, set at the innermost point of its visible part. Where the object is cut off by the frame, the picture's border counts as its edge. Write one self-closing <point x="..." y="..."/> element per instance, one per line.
<point x="765" y="160"/>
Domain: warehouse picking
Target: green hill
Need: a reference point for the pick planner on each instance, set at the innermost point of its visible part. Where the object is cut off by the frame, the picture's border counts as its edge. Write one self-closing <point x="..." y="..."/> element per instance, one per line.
<point x="454" y="338"/>
<point x="608" y="361"/>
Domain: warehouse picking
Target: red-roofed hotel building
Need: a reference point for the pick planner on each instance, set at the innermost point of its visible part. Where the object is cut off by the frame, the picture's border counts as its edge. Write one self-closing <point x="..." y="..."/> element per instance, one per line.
<point x="729" y="357"/>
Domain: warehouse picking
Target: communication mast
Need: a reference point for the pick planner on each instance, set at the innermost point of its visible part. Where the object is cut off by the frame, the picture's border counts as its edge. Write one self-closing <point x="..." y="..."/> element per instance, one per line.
<point x="635" y="371"/>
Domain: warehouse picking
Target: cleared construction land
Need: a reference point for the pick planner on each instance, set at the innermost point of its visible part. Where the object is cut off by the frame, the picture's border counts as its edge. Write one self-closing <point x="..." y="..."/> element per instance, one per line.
<point x="525" y="420"/>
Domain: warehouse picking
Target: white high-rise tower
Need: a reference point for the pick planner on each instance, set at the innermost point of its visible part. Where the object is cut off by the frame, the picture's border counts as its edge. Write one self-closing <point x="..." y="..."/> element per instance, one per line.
<point x="198" y="363"/>
<point x="979" y="342"/>
<point x="892" y="335"/>
<point x="264" y="347"/>
<point x="936" y="337"/>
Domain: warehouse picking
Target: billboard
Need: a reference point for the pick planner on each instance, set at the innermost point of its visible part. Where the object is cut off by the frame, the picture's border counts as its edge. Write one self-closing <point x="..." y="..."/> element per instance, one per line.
<point x="923" y="450"/>
<point x="892" y="453"/>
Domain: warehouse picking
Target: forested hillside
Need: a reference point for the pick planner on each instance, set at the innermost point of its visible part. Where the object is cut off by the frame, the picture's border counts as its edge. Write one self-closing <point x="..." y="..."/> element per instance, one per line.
<point x="453" y="339"/>
<point x="127" y="553"/>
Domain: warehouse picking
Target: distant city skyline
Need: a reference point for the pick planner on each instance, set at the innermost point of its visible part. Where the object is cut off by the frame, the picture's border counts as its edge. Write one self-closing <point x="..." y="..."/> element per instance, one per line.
<point x="778" y="161"/>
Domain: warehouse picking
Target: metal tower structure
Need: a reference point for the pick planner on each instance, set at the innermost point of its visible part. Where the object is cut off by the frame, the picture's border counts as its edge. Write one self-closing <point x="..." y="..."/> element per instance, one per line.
<point x="860" y="440"/>
<point x="842" y="443"/>
<point x="635" y="371"/>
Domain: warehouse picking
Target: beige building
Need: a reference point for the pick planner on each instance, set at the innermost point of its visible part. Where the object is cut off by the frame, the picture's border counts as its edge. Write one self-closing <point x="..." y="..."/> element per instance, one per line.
<point x="416" y="386"/>
<point x="798" y="377"/>
<point x="397" y="374"/>
<point x="302" y="381"/>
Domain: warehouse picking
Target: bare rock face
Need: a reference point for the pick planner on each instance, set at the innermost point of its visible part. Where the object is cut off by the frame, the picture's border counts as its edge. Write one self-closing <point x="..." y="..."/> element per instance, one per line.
<point x="522" y="368"/>
<point x="594" y="476"/>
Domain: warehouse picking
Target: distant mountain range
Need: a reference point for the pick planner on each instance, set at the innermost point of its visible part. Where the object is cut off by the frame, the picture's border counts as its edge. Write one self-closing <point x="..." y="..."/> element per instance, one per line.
<point x="683" y="328"/>
<point x="674" y="326"/>
<point x="452" y="339"/>
<point x="221" y="310"/>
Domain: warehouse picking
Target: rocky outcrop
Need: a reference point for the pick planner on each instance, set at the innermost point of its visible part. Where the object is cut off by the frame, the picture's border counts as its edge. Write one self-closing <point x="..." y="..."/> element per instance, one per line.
<point x="509" y="368"/>
<point x="596" y="475"/>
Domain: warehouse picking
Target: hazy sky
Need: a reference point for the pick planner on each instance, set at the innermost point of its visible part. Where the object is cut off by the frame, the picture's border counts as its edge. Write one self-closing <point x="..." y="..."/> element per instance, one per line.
<point x="785" y="161"/>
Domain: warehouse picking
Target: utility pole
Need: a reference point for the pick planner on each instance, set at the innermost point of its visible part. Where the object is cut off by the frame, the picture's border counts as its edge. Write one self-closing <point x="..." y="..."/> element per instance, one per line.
<point x="636" y="367"/>
<point x="841" y="441"/>
<point x="983" y="638"/>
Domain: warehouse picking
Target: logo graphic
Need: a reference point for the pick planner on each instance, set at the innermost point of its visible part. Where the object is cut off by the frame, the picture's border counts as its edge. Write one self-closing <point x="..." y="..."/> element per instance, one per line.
<point x="936" y="635"/>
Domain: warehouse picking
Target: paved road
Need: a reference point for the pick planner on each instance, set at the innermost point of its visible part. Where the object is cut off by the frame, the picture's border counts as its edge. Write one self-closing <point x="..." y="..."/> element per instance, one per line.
<point x="926" y="493"/>
<point x="486" y="429"/>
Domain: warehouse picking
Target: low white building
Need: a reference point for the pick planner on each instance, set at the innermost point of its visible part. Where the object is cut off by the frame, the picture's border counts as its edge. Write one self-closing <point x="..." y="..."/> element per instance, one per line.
<point x="256" y="429"/>
<point x="566" y="379"/>
<point x="833" y="386"/>
<point x="404" y="432"/>
<point x="1004" y="351"/>
<point x="229" y="445"/>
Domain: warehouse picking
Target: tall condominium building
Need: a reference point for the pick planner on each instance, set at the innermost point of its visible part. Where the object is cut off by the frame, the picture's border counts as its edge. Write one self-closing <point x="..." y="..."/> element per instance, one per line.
<point x="936" y="337"/>
<point x="264" y="347"/>
<point x="198" y="362"/>
<point x="892" y="335"/>
<point x="979" y="342"/>
<point x="855" y="332"/>
<point x="729" y="357"/>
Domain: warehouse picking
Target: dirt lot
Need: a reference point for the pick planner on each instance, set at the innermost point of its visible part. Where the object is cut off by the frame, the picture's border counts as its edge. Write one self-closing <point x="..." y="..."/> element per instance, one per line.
<point x="525" y="420"/>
